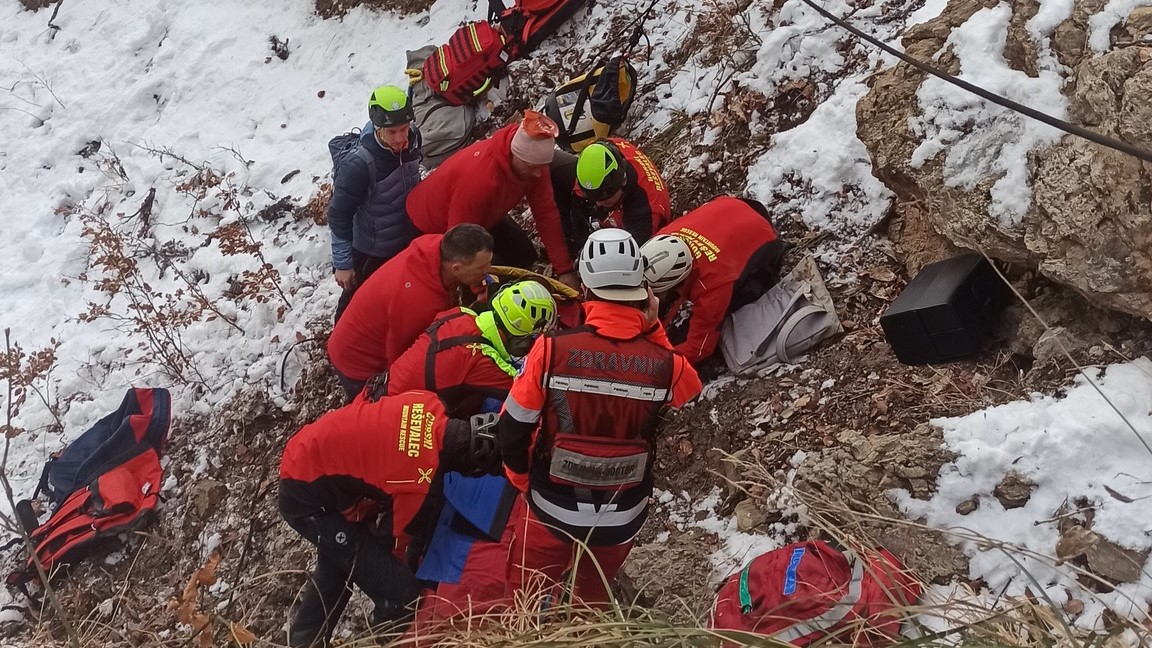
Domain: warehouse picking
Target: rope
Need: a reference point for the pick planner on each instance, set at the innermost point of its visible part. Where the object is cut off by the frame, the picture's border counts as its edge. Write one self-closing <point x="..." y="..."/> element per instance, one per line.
<point x="1071" y="129"/>
<point x="557" y="289"/>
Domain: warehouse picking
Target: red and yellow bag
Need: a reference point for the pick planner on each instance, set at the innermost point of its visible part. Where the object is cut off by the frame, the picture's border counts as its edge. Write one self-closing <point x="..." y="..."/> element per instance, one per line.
<point x="465" y="67"/>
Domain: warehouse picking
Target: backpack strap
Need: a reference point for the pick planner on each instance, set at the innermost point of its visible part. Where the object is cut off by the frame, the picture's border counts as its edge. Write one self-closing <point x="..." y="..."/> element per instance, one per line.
<point x="789" y="326"/>
<point x="496" y="9"/>
<point x="824" y="622"/>
<point x="42" y="486"/>
<point x="436" y="345"/>
<point x="785" y="315"/>
<point x="585" y="90"/>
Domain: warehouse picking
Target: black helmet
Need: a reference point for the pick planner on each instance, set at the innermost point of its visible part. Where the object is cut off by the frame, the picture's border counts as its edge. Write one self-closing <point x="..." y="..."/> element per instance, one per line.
<point x="389" y="106"/>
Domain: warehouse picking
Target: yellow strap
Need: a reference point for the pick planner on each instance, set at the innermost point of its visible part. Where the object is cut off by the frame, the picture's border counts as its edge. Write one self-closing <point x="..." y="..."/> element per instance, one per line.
<point x="555" y="287"/>
<point x="414" y="75"/>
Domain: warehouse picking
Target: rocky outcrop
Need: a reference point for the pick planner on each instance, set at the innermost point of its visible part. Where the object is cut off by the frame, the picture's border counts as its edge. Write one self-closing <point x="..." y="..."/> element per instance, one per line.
<point x="1089" y="225"/>
<point x="849" y="482"/>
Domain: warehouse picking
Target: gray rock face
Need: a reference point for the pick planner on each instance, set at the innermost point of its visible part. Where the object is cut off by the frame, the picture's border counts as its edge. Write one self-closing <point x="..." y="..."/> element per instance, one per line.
<point x="1089" y="225"/>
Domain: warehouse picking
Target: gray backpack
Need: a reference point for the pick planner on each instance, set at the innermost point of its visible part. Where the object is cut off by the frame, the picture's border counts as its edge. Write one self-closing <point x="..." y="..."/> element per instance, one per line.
<point x="444" y="127"/>
<point x="790" y="319"/>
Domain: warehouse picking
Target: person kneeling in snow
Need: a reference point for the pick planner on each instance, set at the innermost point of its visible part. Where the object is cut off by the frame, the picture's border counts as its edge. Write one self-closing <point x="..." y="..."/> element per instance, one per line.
<point x="578" y="431"/>
<point x="708" y="263"/>
<point x="363" y="484"/>
<point x="467" y="357"/>
<point x="483" y="182"/>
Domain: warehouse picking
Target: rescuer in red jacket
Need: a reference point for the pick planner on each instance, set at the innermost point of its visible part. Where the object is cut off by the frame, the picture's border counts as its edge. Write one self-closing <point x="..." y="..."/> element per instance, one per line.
<point x="467" y="357"/>
<point x="363" y="484"/>
<point x="401" y="299"/>
<point x="708" y="263"/>
<point x="611" y="184"/>
<point x="483" y="182"/>
<point x="578" y="429"/>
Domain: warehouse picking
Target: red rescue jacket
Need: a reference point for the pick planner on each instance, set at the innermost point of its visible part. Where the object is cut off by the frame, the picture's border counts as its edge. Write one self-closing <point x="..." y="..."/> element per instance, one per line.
<point x="644" y="207"/>
<point x="594" y="393"/>
<point x="477" y="185"/>
<point x="369" y="458"/>
<point x="389" y="311"/>
<point x="723" y="235"/>
<point x="449" y="358"/>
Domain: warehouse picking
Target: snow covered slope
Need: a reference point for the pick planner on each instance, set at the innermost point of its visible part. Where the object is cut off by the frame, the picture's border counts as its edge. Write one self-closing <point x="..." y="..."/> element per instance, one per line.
<point x="188" y="100"/>
<point x="157" y="150"/>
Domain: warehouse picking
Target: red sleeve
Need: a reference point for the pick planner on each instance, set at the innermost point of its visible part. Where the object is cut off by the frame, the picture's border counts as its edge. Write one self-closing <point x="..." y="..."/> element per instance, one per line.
<point x="547" y="217"/>
<point x="487" y="376"/>
<point x="686" y="384"/>
<point x="405" y="325"/>
<point x="708" y="310"/>
<point x="526" y="398"/>
<point x="516" y="432"/>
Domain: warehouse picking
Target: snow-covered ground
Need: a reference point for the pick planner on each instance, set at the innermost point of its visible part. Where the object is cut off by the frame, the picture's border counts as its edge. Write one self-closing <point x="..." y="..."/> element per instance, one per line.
<point x="154" y="83"/>
<point x="1090" y="448"/>
<point x="188" y="99"/>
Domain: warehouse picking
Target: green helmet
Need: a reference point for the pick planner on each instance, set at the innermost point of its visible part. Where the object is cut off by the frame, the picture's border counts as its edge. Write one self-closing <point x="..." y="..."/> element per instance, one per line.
<point x="389" y="106"/>
<point x="600" y="171"/>
<point x="524" y="308"/>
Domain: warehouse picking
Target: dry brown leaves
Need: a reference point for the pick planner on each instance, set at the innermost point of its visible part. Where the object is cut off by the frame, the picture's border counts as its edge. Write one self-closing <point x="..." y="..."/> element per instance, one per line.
<point x="187" y="605"/>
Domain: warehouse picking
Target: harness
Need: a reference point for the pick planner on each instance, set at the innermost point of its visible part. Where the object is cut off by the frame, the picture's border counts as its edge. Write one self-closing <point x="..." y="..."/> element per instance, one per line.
<point x="487" y="343"/>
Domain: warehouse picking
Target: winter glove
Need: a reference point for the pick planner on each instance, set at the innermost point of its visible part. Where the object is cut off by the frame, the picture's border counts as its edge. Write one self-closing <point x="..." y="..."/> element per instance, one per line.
<point x="332" y="533"/>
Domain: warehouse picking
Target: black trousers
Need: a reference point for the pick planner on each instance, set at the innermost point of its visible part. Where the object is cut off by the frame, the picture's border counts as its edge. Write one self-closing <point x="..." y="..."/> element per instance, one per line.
<point x="348" y="555"/>
<point x="512" y="245"/>
<point x="363" y="265"/>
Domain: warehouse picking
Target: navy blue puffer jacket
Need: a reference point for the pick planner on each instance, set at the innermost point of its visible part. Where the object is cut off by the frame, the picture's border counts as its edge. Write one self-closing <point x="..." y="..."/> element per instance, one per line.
<point x="373" y="219"/>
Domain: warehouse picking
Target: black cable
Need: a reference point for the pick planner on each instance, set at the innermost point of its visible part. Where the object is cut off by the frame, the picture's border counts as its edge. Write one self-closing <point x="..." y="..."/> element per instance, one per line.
<point x="1071" y="129"/>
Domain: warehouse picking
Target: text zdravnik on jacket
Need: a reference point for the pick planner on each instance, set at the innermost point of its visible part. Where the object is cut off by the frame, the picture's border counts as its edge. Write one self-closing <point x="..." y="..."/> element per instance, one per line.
<point x="477" y="185"/>
<point x="527" y="400"/>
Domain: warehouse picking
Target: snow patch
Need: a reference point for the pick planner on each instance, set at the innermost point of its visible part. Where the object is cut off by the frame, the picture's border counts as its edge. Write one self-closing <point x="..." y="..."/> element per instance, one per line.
<point x="1070" y="447"/>
<point x="821" y="170"/>
<point x="1100" y="25"/>
<point x="982" y="140"/>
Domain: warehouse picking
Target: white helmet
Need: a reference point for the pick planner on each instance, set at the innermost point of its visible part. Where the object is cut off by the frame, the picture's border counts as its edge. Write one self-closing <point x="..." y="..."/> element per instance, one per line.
<point x="612" y="267"/>
<point x="669" y="261"/>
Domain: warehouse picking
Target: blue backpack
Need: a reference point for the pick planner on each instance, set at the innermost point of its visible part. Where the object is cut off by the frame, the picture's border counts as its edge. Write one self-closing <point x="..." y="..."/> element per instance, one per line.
<point x="347" y="145"/>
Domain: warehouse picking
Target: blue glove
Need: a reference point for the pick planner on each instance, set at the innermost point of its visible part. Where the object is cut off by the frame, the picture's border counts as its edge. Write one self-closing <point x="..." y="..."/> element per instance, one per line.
<point x="491" y="405"/>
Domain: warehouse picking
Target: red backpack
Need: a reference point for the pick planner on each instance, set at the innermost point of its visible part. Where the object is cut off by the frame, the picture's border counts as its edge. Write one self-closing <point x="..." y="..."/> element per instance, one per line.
<point x="810" y="591"/>
<point x="529" y="22"/>
<point x="104" y="483"/>
<point x="465" y="67"/>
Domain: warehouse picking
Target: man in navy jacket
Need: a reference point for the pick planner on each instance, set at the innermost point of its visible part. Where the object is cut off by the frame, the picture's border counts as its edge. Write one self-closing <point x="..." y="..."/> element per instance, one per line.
<point x="367" y="214"/>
